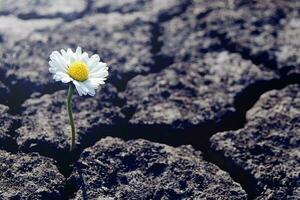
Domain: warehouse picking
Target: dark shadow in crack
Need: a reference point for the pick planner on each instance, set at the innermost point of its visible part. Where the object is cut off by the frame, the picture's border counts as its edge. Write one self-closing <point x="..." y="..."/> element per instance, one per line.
<point x="24" y="90"/>
<point x="238" y="174"/>
<point x="21" y="89"/>
<point x="160" y="62"/>
<point x="74" y="183"/>
<point x="8" y="142"/>
<point x="249" y="96"/>
<point x="83" y="187"/>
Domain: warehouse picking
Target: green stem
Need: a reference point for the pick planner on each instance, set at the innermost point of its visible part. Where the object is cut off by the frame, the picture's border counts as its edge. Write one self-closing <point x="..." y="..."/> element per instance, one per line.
<point x="69" y="108"/>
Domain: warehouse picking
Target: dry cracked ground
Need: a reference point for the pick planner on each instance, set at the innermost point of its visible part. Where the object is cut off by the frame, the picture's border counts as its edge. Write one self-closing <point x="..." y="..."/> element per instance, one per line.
<point x="202" y="102"/>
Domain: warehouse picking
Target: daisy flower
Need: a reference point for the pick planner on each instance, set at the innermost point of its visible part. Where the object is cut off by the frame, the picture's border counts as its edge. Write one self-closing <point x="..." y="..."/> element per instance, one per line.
<point x="79" y="70"/>
<point x="86" y="73"/>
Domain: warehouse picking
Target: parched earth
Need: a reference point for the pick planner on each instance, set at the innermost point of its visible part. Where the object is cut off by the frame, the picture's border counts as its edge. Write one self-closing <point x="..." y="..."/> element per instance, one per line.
<point x="202" y="101"/>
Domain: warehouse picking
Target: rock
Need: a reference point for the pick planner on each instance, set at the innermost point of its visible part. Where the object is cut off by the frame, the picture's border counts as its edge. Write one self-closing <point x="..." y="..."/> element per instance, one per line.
<point x="13" y="56"/>
<point x="268" y="146"/>
<point x="154" y="9"/>
<point x="139" y="169"/>
<point x="201" y="85"/>
<point x="28" y="9"/>
<point x="29" y="176"/>
<point x="13" y="29"/>
<point x="200" y="90"/>
<point x="264" y="31"/>
<point x="288" y="46"/>
<point x="123" y="41"/>
<point x="45" y="124"/>
<point x="7" y="122"/>
<point x="183" y="37"/>
<point x="198" y="93"/>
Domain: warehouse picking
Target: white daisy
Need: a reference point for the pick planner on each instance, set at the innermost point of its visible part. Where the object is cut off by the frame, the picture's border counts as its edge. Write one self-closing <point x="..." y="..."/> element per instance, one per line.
<point x="85" y="72"/>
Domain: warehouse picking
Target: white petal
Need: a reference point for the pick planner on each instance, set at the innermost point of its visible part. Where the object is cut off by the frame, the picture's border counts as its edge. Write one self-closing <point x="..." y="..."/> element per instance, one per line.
<point x="99" y="74"/>
<point x="78" y="87"/>
<point x="71" y="55"/>
<point x="84" y="88"/>
<point x="63" y="53"/>
<point x="58" y="61"/>
<point x="78" y="53"/>
<point x="66" y="56"/>
<point x="57" y="56"/>
<point x="84" y="57"/>
<point x="66" y="79"/>
<point x="89" y="86"/>
<point x="69" y="51"/>
<point x="63" y="77"/>
<point x="92" y="92"/>
<point x="98" y="66"/>
<point x="95" y="82"/>
<point x="81" y="87"/>
<point x="95" y="57"/>
<point x="93" y="60"/>
<point x="56" y="67"/>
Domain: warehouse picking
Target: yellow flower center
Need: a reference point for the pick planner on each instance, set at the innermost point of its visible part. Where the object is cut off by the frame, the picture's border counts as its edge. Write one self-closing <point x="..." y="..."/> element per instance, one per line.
<point x="79" y="71"/>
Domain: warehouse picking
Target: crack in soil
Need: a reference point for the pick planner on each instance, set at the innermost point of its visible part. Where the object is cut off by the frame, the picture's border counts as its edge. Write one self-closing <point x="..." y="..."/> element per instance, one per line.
<point x="10" y="144"/>
<point x="160" y="62"/>
<point x="199" y="139"/>
<point x="260" y="58"/>
<point x="238" y="174"/>
<point x="245" y="101"/>
<point x="163" y="133"/>
<point x="176" y="137"/>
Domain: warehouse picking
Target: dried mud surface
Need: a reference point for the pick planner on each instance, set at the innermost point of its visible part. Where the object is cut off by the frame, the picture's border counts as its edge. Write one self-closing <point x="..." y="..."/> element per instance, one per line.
<point x="139" y="169"/>
<point x="202" y="100"/>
